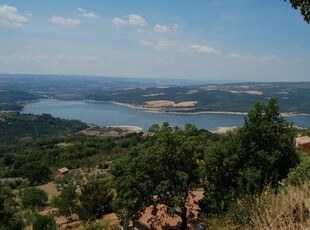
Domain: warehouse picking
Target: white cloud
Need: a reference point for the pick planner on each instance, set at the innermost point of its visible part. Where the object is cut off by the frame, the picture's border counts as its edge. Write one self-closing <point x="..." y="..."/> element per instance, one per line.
<point x="65" y="21"/>
<point x="28" y="57"/>
<point x="255" y="58"/>
<point x="80" y="9"/>
<point x="160" y="28"/>
<point x="133" y="20"/>
<point x="166" y="28"/>
<point x="176" y="46"/>
<point x="119" y="21"/>
<point x="205" y="49"/>
<point x="68" y="58"/>
<point x="136" y="20"/>
<point x="9" y="16"/>
<point x="163" y="44"/>
<point x="87" y="14"/>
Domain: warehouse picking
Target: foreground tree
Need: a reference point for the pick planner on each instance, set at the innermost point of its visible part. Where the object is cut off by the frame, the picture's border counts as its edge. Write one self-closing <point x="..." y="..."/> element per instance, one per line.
<point x="261" y="154"/>
<point x="164" y="172"/>
<point x="303" y="6"/>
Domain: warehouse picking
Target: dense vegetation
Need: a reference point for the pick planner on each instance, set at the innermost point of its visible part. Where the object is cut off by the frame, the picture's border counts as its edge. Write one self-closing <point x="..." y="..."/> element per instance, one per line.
<point x="12" y="100"/>
<point x="240" y="173"/>
<point x="16" y="128"/>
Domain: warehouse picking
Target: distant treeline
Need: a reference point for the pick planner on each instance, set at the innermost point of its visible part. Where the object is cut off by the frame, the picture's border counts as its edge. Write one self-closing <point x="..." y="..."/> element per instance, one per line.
<point x="12" y="100"/>
<point x="18" y="128"/>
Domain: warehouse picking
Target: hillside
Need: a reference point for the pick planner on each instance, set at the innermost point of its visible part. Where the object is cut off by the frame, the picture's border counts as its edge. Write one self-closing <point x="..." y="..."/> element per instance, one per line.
<point x="13" y="100"/>
<point x="238" y="97"/>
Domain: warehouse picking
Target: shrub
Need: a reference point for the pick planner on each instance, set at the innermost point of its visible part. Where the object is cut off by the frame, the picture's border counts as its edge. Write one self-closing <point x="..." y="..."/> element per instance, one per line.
<point x="301" y="173"/>
<point x="33" y="198"/>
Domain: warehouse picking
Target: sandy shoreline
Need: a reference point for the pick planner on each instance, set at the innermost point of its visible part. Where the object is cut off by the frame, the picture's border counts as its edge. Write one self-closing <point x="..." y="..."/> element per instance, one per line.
<point x="223" y="130"/>
<point x="131" y="128"/>
<point x="160" y="110"/>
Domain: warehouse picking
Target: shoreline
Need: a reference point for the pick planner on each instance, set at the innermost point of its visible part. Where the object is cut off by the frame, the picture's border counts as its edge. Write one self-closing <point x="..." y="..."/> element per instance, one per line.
<point x="131" y="128"/>
<point x="159" y="110"/>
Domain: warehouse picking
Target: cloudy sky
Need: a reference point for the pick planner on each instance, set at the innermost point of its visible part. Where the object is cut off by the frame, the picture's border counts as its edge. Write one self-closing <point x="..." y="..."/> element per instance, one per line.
<point x="226" y="40"/>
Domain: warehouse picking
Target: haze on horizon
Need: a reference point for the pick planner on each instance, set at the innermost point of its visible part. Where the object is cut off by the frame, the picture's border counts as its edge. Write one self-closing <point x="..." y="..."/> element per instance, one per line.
<point x="227" y="40"/>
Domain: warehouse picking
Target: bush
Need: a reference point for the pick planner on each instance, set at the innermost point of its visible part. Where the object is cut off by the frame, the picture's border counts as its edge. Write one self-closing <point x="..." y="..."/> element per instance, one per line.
<point x="33" y="198"/>
<point x="44" y="223"/>
<point x="301" y="173"/>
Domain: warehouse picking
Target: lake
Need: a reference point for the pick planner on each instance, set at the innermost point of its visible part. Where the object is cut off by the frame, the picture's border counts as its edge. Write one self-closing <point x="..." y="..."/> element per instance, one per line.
<point x="108" y="114"/>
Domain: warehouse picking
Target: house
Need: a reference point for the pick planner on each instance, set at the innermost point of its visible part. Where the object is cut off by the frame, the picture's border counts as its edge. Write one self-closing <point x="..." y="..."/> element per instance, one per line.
<point x="162" y="220"/>
<point x="63" y="170"/>
<point x="303" y="143"/>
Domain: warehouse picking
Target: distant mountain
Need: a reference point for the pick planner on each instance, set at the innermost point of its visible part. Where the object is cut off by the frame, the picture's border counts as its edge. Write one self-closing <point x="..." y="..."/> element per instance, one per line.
<point x="168" y="95"/>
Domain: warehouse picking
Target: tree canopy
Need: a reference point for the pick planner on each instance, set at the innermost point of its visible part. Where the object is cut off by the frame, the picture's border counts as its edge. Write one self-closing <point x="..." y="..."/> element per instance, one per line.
<point x="163" y="172"/>
<point x="260" y="154"/>
<point x="303" y="6"/>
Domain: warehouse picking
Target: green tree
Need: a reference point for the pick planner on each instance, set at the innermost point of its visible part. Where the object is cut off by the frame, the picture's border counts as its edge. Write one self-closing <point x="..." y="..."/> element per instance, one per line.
<point x="44" y="223"/>
<point x="268" y="143"/>
<point x="95" y="200"/>
<point x="36" y="172"/>
<point x="8" y="220"/>
<point x="66" y="201"/>
<point x="260" y="154"/>
<point x="33" y="198"/>
<point x="163" y="171"/>
<point x="303" y="6"/>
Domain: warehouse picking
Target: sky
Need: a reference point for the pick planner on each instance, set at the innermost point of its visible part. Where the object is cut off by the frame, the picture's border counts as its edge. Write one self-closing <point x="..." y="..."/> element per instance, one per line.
<point x="210" y="40"/>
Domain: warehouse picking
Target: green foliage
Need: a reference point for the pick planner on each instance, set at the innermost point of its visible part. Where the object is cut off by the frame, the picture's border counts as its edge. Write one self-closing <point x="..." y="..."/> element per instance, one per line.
<point x="44" y="223"/>
<point x="36" y="172"/>
<point x="95" y="200"/>
<point x="33" y="198"/>
<point x="8" y="159"/>
<point x="303" y="6"/>
<point x="8" y="220"/>
<point x="66" y="201"/>
<point x="301" y="173"/>
<point x="12" y="100"/>
<point x="261" y="154"/>
<point x="26" y="127"/>
<point x="268" y="143"/>
<point x="166" y="167"/>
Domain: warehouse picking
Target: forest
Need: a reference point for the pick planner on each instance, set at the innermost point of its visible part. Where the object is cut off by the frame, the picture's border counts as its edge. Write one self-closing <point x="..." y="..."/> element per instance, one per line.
<point x="244" y="179"/>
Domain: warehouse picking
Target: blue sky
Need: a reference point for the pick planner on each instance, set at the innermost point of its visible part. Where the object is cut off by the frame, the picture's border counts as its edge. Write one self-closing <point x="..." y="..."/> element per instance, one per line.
<point x="212" y="40"/>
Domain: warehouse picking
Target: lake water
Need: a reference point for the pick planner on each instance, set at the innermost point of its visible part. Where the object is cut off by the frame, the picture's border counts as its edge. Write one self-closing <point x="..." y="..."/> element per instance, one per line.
<point x="108" y="114"/>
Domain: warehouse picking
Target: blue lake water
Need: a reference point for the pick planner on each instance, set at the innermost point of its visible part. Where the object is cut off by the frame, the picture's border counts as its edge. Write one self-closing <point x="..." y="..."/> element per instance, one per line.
<point x="108" y="114"/>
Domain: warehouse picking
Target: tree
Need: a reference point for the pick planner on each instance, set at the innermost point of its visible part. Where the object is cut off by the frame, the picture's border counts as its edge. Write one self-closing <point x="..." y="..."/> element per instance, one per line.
<point x="303" y="6"/>
<point x="44" y="223"/>
<point x="268" y="143"/>
<point x="66" y="201"/>
<point x="95" y="200"/>
<point x="260" y="154"/>
<point x="33" y="198"/>
<point x="8" y="210"/>
<point x="163" y="171"/>
<point x="36" y="173"/>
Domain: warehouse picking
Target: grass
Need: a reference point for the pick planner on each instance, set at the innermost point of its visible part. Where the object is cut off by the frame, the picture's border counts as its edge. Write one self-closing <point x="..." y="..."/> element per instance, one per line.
<point x="289" y="209"/>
